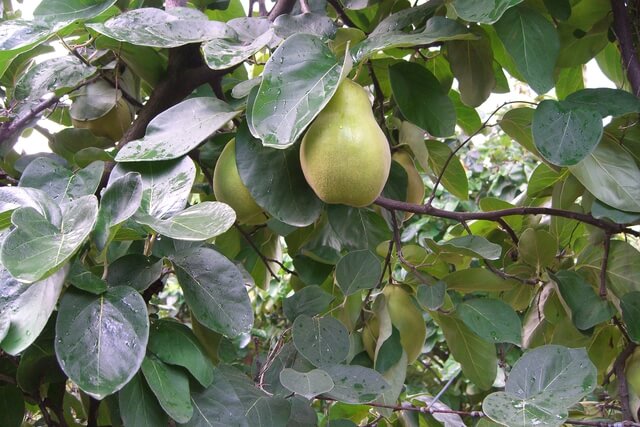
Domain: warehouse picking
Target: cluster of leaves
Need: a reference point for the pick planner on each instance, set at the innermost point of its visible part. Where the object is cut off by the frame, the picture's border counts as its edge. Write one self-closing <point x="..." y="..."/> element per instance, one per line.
<point x="536" y="295"/>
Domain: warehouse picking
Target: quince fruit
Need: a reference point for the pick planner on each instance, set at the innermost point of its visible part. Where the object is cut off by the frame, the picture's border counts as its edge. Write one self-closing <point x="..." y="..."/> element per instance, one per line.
<point x="229" y="188"/>
<point x="344" y="155"/>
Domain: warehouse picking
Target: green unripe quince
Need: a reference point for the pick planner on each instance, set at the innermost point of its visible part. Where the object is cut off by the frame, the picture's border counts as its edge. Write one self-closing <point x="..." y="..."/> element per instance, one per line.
<point x="407" y="319"/>
<point x="344" y="155"/>
<point x="112" y="125"/>
<point x="229" y="188"/>
<point x="415" y="186"/>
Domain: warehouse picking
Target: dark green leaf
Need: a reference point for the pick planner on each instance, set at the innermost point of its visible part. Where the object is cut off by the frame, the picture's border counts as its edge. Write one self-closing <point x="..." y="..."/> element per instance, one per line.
<point x="358" y="270"/>
<point x="269" y="412"/>
<point x="630" y="304"/>
<point x="565" y="133"/>
<point x="298" y="81"/>
<point x="101" y="339"/>
<point x="163" y="140"/>
<point x="587" y="308"/>
<point x="533" y="43"/>
<point x="559" y="9"/>
<point x="138" y="405"/>
<point x="275" y="180"/>
<point x="491" y="319"/>
<point x="12" y="406"/>
<point x="171" y="387"/>
<point x="390" y="353"/>
<point x="421" y="98"/>
<point x="431" y="297"/>
<point x="175" y="343"/>
<point x="214" y="290"/>
<point x="357" y="228"/>
<point x="454" y="178"/>
<point x="537" y="248"/>
<point x="601" y="210"/>
<point x="323" y="341"/>
<point x="134" y="270"/>
<point x="85" y="280"/>
<point x="473" y="246"/>
<point x="607" y="102"/>
<point x="310" y="300"/>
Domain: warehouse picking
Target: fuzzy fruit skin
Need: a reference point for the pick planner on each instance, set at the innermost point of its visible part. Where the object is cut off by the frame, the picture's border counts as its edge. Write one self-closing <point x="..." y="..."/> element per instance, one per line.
<point x="229" y="188"/>
<point x="407" y="319"/>
<point x="415" y="186"/>
<point x="344" y="154"/>
<point x="112" y="125"/>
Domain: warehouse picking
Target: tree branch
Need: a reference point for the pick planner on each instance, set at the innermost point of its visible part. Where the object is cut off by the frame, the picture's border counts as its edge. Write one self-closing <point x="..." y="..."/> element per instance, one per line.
<point x="280" y="8"/>
<point x="603" y="267"/>
<point x="623" y="31"/>
<point x="341" y="13"/>
<point x="610" y="227"/>
<point x="623" y="388"/>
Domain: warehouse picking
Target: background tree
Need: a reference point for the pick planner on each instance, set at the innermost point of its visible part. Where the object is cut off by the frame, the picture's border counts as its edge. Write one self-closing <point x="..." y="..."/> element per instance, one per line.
<point x="132" y="295"/>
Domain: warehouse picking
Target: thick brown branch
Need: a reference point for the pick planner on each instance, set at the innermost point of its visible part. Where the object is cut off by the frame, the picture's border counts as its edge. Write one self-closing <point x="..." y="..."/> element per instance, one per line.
<point x="609" y="227"/>
<point x="624" y="33"/>
<point x="280" y="8"/>
<point x="341" y="13"/>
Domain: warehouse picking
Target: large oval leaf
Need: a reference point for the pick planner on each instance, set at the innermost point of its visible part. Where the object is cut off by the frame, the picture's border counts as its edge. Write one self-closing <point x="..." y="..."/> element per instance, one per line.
<point x="355" y="384"/>
<point x="138" y="406"/>
<point x="322" y="341"/>
<point x="275" y="180"/>
<point x="565" y="133"/>
<point x="298" y="81"/>
<point x="358" y="270"/>
<point x="101" y="339"/>
<point x="36" y="248"/>
<point x="166" y="140"/>
<point x="485" y="12"/>
<point x="171" y="386"/>
<point x="491" y="319"/>
<point x="214" y="290"/>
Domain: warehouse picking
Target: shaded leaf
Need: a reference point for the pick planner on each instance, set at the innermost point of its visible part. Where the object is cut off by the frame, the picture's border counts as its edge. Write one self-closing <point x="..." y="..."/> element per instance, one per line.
<point x="310" y="300"/>
<point x="630" y="304"/>
<point x="485" y="12"/>
<point x="491" y="319"/>
<point x="171" y="387"/>
<point x="358" y="270"/>
<point x="138" y="406"/>
<point x="323" y="341"/>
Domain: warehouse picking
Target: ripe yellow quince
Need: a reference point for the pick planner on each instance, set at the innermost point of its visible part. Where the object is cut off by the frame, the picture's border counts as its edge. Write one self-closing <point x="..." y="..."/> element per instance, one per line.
<point x="345" y="156"/>
<point x="229" y="188"/>
<point x="407" y="319"/>
<point x="415" y="186"/>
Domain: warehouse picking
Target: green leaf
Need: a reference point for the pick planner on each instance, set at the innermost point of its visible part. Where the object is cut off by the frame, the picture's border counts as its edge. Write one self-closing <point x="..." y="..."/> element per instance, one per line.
<point x="52" y="76"/>
<point x="35" y="248"/>
<point x="358" y="270"/>
<point x="611" y="174"/>
<point x="421" y="99"/>
<point x="454" y="178"/>
<point x="134" y="270"/>
<point x="214" y="290"/>
<point x="166" y="185"/>
<point x="310" y="301"/>
<point x="477" y="279"/>
<point x="38" y="364"/>
<point x="559" y="9"/>
<point x="491" y="319"/>
<point x="600" y="210"/>
<point x="537" y="248"/>
<point x="483" y="11"/>
<point x="541" y="387"/>
<point x="59" y="182"/>
<point x="101" y="339"/>
<point x="565" y="133"/>
<point x="310" y="23"/>
<point x="138" y="406"/>
<point x="322" y="341"/>
<point x="517" y="124"/>
<point x="569" y="80"/>
<point x="269" y="411"/>
<point x="162" y="29"/>
<point x="196" y="223"/>
<point x="466" y="117"/>
<point x="623" y="268"/>
<point x="83" y="279"/>
<point x="18" y="36"/>
<point x="607" y="102"/>
<point x="171" y="387"/>
<point x="587" y="308"/>
<point x="221" y="53"/>
<point x="275" y="180"/>
<point x="357" y="228"/>
<point x="12" y="406"/>
<point x="306" y="384"/>
<point x="473" y="246"/>
<point x="389" y="34"/>
<point x="175" y="343"/>
<point x="533" y="43"/>
<point x="298" y="81"/>
<point x="63" y="10"/>
<point x="630" y="304"/>
<point x="120" y="200"/>
<point x="217" y="405"/>
<point x="26" y="308"/>
<point x="472" y="64"/>
<point x="12" y="198"/>
<point x="355" y="384"/>
<point x="477" y="356"/>
<point x="164" y="140"/>
<point x="542" y="178"/>
<point x="431" y="297"/>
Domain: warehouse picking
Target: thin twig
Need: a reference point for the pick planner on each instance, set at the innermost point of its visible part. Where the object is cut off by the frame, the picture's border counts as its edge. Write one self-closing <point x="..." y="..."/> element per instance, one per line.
<point x="603" y="268"/>
<point x="398" y="243"/>
<point x="341" y="13"/>
<point x="264" y="259"/>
